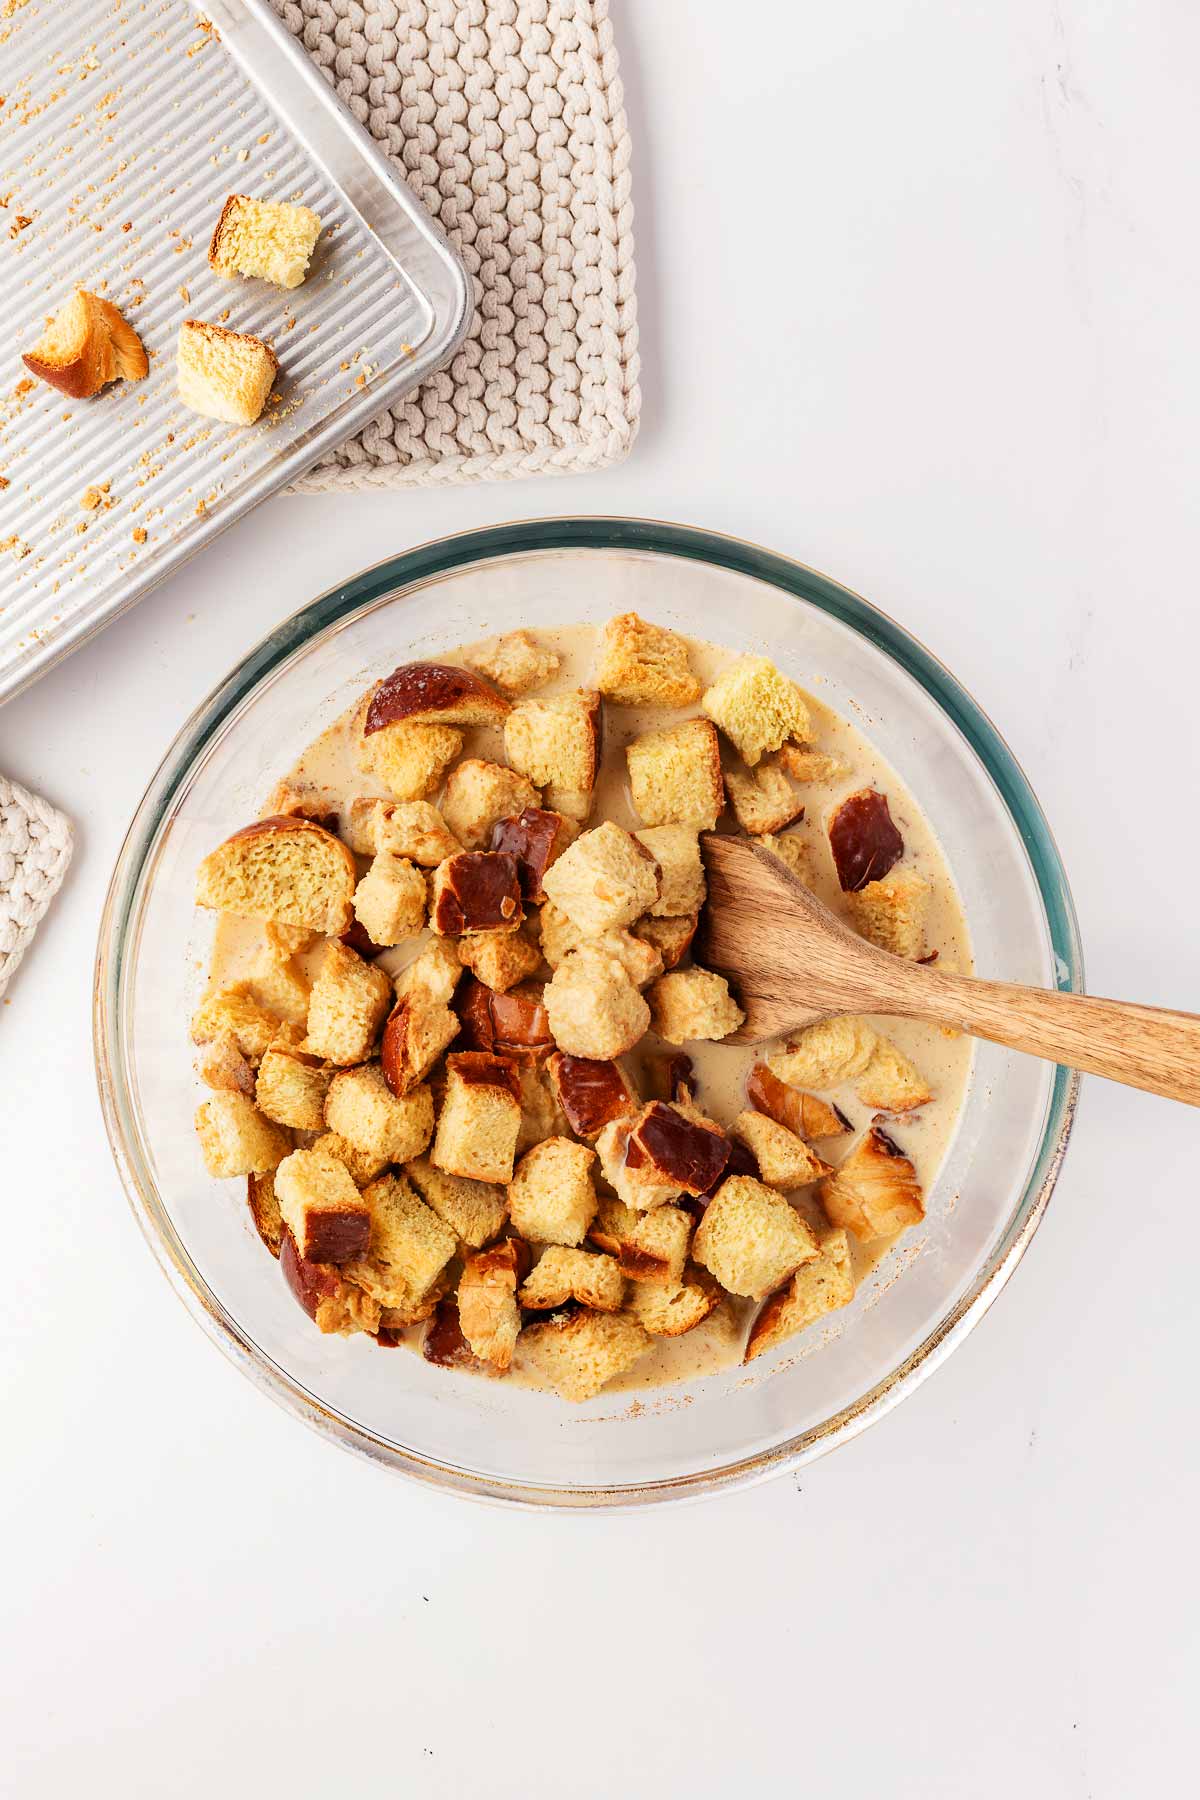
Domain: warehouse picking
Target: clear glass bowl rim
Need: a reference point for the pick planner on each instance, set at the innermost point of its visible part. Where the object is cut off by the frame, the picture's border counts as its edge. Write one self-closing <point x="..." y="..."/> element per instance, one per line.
<point x="391" y="578"/>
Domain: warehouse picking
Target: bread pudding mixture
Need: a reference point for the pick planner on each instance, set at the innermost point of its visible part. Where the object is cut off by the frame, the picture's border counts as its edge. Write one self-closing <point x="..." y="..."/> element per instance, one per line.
<point x="464" y="1060"/>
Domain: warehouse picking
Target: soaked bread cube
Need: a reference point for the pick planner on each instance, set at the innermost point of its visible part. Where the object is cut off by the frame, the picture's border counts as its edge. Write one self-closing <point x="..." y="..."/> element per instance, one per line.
<point x="793" y="849"/>
<point x="321" y="1206"/>
<point x="474" y="1210"/>
<point x="756" y="707"/>
<point x="361" y="1108"/>
<point x="672" y="1311"/>
<point x="578" y="1353"/>
<point x="479" y="794"/>
<point x="763" y="800"/>
<point x="676" y="850"/>
<point x="638" y="956"/>
<point x="333" y="1302"/>
<point x="417" y="1031"/>
<point x="594" y="1008"/>
<point x="649" y="1246"/>
<point x="891" y="1082"/>
<point x="389" y="901"/>
<point x="408" y="1249"/>
<point x="875" y="1192"/>
<point x="480" y="1119"/>
<point x="827" y="1053"/>
<point x="817" y="1288"/>
<point x="500" y="959"/>
<point x="564" y="1274"/>
<point x="349" y="1002"/>
<point x="675" y="775"/>
<point x="784" y="1160"/>
<point x="234" y="1012"/>
<point x="221" y="1065"/>
<point x="414" y="829"/>
<point x="362" y="1165"/>
<point x="488" y="1315"/>
<point x="551" y="1199"/>
<point x="431" y="977"/>
<point x="645" y="665"/>
<point x="517" y="663"/>
<point x="291" y="1089"/>
<point x="692" y="1004"/>
<point x="236" y="1138"/>
<point x="556" y="743"/>
<point x="671" y="938"/>
<point x="605" y="879"/>
<point x="409" y="757"/>
<point x="751" y="1239"/>
<point x="892" y="912"/>
<point x="805" y="763"/>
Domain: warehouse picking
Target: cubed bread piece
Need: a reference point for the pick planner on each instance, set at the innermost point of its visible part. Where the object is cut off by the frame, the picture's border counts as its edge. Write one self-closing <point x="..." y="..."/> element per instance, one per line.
<point x="591" y="1093"/>
<point x="537" y="838"/>
<point x="671" y="938"/>
<point x="806" y="1115"/>
<point x="416" y="1033"/>
<point x="604" y="880"/>
<point x="349" y="1002"/>
<point x="362" y="1108"/>
<point x="671" y="1311"/>
<point x="818" y="1287"/>
<point x="827" y="1053"/>
<point x="551" y="1199"/>
<point x="649" y="1246"/>
<point x="336" y="1304"/>
<point x="389" y="901"/>
<point x="751" y="1239"/>
<point x="556" y="743"/>
<point x="225" y="375"/>
<point x="306" y="800"/>
<point x="891" y="1082"/>
<point x="408" y="1249"/>
<point x="285" y="941"/>
<point x="221" y="1065"/>
<point x="892" y="912"/>
<point x="676" y="850"/>
<point x="675" y="775"/>
<point x="763" y="800"/>
<point x="411" y="828"/>
<point x="645" y="665"/>
<point x="235" y="1137"/>
<point x="637" y="955"/>
<point x="480" y="1118"/>
<point x="234" y="1012"/>
<point x="807" y="764"/>
<point x="668" y="1150"/>
<point x="291" y="1089"/>
<point x="563" y="1274"/>
<point x="756" y="707"/>
<point x="593" y="1007"/>
<point x="431" y="977"/>
<point x="793" y="849"/>
<point x="280" y="986"/>
<point x="513" y="1025"/>
<point x="321" y="1206"/>
<point x="410" y="759"/>
<point x="479" y="794"/>
<point x="429" y="693"/>
<point x="284" y="868"/>
<point x="479" y="890"/>
<point x="578" y="1353"/>
<point x="541" y="1114"/>
<point x="875" y="1192"/>
<point x="516" y="662"/>
<point x="363" y="1165"/>
<point x="784" y="1160"/>
<point x="474" y="1210"/>
<point x="263" y="1203"/>
<point x="395" y="1319"/>
<point x="488" y="1315"/>
<point x="500" y="959"/>
<point x="87" y="344"/>
<point x="270" y="239"/>
<point x="692" y="1004"/>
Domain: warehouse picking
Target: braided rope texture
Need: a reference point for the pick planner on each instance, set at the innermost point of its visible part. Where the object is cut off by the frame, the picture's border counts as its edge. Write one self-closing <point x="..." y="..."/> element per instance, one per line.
<point x="506" y="118"/>
<point x="35" y="848"/>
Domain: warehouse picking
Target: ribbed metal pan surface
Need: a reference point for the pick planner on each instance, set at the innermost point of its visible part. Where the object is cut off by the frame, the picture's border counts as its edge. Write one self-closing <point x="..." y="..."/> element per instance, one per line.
<point x="123" y="127"/>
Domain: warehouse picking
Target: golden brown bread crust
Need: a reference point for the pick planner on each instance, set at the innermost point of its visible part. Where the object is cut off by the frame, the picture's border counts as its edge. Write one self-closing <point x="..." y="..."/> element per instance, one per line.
<point x="109" y="349"/>
<point x="434" y="694"/>
<point x="236" y="337"/>
<point x="295" y="825"/>
<point x="214" y="243"/>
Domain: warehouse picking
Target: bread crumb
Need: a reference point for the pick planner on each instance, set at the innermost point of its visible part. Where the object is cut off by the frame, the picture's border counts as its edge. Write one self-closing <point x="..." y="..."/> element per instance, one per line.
<point x="93" y="495"/>
<point x="139" y="535"/>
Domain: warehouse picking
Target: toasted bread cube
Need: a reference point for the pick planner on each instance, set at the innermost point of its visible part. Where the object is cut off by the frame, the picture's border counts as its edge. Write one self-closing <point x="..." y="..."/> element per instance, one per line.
<point x="562" y="1275"/>
<point x="637" y="955"/>
<point x="87" y="343"/>
<point x="264" y="1209"/>
<point x="479" y="794"/>
<point x="431" y="977"/>
<point x="668" y="1150"/>
<point x="579" y="1353"/>
<point x="291" y="1090"/>
<point x="488" y="1315"/>
<point x="499" y="958"/>
<point x="762" y="799"/>
<point x="427" y="693"/>
<point x="818" y="1287"/>
<point x="645" y="665"/>
<point x="326" y="1214"/>
<point x="891" y="1082"/>
<point x="551" y="1199"/>
<point x="408" y="1249"/>
<point x="335" y="1303"/>
<point x="410" y="828"/>
<point x="784" y="1160"/>
<point x="605" y="879"/>
<point x="280" y="986"/>
<point x="474" y="1210"/>
<point x="389" y="901"/>
<point x="807" y="764"/>
<point x="416" y="1311"/>
<point x="675" y="775"/>
<point x="892" y="912"/>
<point x="804" y="1114"/>
<point x="285" y="941"/>
<point x="517" y="663"/>
<point x="591" y="1093"/>
<point x="827" y="1053"/>
<point x="751" y="1239"/>
<point x="267" y="238"/>
<point x="222" y="374"/>
<point x="221" y="1065"/>
<point x="233" y="1012"/>
<point x="756" y="707"/>
<point x="480" y="1118"/>
<point x="235" y="1137"/>
<point x="671" y="938"/>
<point x="349" y="1002"/>
<point x="409" y="758"/>
<point x="541" y="1114"/>
<point x="556" y="743"/>
<point x="793" y="849"/>
<point x="363" y="1166"/>
<point x="676" y="850"/>
<point x="416" y="1033"/>
<point x="537" y="838"/>
<point x="692" y="1004"/>
<point x="671" y="1311"/>
<point x="649" y="1246"/>
<point x="875" y="1193"/>
<point x="479" y="890"/>
<point x="361" y="1108"/>
<point x="593" y="1007"/>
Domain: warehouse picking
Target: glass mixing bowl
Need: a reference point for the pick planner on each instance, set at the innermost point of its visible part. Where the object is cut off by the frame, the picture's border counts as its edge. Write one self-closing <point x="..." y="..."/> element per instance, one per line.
<point x="453" y="1430"/>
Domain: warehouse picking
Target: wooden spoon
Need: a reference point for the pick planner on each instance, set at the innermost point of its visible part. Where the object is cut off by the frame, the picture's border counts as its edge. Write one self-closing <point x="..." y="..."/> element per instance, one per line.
<point x="790" y="962"/>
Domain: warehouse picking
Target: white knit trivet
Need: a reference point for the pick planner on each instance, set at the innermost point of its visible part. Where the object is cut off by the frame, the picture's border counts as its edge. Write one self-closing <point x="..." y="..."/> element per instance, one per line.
<point x="507" y="120"/>
<point x="35" y="848"/>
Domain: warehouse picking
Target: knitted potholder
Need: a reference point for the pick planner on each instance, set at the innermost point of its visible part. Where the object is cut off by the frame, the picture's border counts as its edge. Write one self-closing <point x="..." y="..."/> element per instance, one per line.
<point x="507" y="120"/>
<point x="35" y="848"/>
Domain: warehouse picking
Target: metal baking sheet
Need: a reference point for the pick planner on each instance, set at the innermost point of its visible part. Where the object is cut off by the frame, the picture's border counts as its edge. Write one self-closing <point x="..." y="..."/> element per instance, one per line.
<point x="122" y="129"/>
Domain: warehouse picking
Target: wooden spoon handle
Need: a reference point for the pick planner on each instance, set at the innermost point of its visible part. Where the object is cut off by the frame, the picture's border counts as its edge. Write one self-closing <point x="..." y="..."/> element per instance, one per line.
<point x="1142" y="1046"/>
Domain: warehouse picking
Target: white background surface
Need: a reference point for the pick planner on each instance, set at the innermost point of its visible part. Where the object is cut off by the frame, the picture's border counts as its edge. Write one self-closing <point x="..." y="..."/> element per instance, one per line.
<point x="973" y="397"/>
